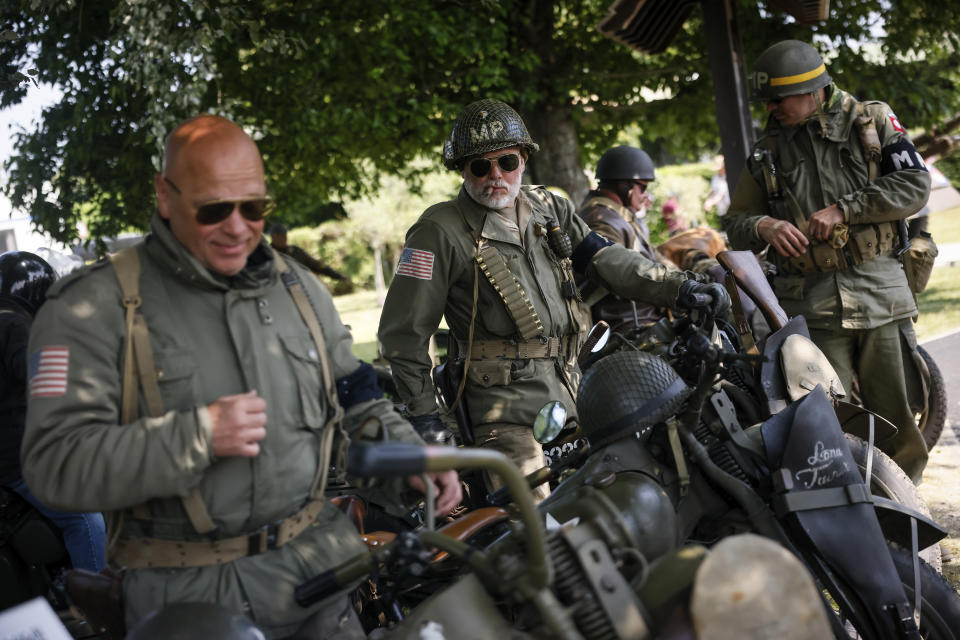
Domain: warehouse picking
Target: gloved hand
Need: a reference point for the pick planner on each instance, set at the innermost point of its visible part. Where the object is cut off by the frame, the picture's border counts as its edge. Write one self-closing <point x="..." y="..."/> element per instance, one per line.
<point x="699" y="295"/>
<point x="432" y="429"/>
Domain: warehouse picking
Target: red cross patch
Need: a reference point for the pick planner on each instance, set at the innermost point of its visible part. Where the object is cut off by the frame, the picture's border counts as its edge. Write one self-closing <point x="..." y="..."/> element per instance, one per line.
<point x="896" y="123"/>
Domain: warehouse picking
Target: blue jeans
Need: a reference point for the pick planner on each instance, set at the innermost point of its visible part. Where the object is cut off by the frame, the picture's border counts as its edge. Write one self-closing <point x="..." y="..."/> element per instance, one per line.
<point x="84" y="534"/>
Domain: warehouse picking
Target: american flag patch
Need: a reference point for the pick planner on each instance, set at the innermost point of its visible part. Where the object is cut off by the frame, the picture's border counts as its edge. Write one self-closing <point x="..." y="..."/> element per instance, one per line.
<point x="416" y="263"/>
<point x="48" y="372"/>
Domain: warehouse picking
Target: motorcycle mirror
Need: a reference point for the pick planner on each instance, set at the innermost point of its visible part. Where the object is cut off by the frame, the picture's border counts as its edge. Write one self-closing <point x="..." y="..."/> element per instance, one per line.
<point x="549" y="422"/>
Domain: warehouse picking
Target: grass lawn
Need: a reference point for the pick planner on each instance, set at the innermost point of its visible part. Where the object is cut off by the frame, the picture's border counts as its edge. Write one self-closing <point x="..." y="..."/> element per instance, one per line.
<point x="939" y="303"/>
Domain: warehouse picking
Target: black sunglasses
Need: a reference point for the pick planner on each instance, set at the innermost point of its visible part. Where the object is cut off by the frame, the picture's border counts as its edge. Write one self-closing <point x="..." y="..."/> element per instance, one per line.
<point x="254" y="208"/>
<point x="774" y="100"/>
<point x="480" y="167"/>
<point x="642" y="185"/>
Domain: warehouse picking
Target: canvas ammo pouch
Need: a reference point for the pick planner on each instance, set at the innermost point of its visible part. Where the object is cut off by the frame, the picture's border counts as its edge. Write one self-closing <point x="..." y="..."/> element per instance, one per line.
<point x="918" y="261"/>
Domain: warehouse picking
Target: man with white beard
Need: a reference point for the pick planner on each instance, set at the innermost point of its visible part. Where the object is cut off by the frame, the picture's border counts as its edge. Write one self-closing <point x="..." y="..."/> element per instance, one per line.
<point x="498" y="263"/>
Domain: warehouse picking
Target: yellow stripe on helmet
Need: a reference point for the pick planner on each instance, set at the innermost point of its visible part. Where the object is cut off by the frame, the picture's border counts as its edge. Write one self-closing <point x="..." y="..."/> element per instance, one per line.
<point x="800" y="77"/>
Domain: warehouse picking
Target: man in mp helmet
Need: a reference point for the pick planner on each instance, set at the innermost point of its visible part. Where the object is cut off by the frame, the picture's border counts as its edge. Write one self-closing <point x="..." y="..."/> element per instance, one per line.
<point x="827" y="186"/>
<point x="616" y="210"/>
<point x="498" y="262"/>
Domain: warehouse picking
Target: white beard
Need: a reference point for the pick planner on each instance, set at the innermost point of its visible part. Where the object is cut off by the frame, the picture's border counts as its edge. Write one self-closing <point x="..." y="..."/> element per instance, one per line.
<point x="483" y="193"/>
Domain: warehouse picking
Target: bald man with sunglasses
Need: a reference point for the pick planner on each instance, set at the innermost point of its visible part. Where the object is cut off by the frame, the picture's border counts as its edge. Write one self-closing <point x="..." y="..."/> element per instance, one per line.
<point x="197" y="386"/>
<point x="498" y="262"/>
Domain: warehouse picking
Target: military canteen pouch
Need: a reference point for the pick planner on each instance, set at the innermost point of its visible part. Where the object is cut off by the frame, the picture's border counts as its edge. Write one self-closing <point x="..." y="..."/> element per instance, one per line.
<point x="918" y="261"/>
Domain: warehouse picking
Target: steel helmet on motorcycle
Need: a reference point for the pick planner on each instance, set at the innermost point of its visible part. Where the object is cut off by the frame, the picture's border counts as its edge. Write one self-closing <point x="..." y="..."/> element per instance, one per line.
<point x="788" y="68"/>
<point x="484" y="126"/>
<point x="625" y="163"/>
<point x="194" y="621"/>
<point x="626" y="392"/>
<point x="25" y="278"/>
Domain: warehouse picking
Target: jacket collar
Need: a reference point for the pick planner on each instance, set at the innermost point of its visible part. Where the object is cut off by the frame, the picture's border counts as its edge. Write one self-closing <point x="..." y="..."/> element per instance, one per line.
<point x="175" y="259"/>
<point x="491" y="227"/>
<point x="839" y="116"/>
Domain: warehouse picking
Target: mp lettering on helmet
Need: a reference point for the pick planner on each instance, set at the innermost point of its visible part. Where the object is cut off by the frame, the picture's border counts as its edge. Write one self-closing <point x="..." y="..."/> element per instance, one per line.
<point x="760" y="78"/>
<point x="896" y="123"/>
<point x="487" y="131"/>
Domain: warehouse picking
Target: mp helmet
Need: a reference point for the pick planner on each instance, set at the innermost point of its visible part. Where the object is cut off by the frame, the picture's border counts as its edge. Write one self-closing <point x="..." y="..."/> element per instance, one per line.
<point x="484" y="126"/>
<point x="25" y="278"/>
<point x="625" y="163"/>
<point x="788" y="68"/>
<point x="195" y="621"/>
<point x="626" y="393"/>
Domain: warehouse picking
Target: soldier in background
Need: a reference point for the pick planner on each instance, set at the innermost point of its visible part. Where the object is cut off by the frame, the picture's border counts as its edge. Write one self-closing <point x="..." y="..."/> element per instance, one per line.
<point x="278" y="240"/>
<point x="827" y="186"/>
<point x="616" y="210"/>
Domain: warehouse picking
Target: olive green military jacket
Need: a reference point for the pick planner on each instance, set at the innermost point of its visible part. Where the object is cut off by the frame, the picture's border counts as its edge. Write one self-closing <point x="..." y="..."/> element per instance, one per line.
<point x="211" y="336"/>
<point x="443" y="243"/>
<point x="821" y="170"/>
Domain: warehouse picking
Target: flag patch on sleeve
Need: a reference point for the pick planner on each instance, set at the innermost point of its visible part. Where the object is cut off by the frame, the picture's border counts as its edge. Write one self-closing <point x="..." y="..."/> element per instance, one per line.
<point x="48" y="372"/>
<point x="416" y="263"/>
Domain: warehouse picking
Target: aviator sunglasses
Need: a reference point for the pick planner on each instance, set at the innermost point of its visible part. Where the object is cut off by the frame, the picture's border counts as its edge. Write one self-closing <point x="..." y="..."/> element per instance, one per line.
<point x="254" y="208"/>
<point x="480" y="167"/>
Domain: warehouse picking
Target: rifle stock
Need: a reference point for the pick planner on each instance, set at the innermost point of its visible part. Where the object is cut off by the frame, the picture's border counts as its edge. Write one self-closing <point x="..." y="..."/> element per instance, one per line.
<point x="751" y="279"/>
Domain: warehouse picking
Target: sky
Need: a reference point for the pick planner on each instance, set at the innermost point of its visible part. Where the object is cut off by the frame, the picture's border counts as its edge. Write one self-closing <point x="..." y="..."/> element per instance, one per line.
<point x="21" y="115"/>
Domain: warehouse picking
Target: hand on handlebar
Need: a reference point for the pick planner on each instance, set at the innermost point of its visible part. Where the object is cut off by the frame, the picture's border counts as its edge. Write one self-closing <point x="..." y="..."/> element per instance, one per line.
<point x="447" y="488"/>
<point x="710" y="296"/>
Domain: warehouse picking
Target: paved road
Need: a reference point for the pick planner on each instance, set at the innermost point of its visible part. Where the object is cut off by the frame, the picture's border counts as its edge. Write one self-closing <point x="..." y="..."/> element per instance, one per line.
<point x="941" y="479"/>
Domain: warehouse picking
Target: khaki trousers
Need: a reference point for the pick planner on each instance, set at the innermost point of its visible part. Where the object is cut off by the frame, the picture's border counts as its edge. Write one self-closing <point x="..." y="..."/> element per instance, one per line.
<point x="518" y="444"/>
<point x="879" y="357"/>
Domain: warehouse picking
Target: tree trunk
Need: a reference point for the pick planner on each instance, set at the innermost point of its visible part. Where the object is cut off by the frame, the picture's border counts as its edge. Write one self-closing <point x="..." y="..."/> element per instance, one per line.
<point x="378" y="281"/>
<point x="557" y="164"/>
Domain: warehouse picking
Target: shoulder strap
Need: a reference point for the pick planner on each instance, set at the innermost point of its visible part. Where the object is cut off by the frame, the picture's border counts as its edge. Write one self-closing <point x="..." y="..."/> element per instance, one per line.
<point x="869" y="139"/>
<point x="138" y="363"/>
<point x="335" y="422"/>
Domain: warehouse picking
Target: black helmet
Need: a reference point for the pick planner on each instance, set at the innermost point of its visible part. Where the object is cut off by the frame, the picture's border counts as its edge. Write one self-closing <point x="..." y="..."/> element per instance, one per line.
<point x="194" y="621"/>
<point x="25" y="277"/>
<point x="625" y="392"/>
<point x="625" y="163"/>
<point x="788" y="68"/>
<point x="277" y="228"/>
<point x="484" y="126"/>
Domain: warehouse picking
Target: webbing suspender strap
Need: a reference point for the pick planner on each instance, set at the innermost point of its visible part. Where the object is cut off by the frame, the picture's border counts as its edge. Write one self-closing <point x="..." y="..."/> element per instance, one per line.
<point x="335" y="423"/>
<point x="870" y="140"/>
<point x="494" y="267"/>
<point x="138" y="364"/>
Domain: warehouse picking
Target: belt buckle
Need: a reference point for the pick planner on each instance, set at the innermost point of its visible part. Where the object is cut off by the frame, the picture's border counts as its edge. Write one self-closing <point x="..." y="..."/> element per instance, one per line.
<point x="263" y="539"/>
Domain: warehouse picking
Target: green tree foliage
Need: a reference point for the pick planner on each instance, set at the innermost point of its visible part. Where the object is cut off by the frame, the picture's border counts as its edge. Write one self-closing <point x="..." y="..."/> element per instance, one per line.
<point x="339" y="94"/>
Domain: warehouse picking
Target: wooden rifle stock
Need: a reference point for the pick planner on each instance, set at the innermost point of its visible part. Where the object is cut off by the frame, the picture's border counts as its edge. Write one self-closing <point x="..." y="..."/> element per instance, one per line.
<point x="751" y="279"/>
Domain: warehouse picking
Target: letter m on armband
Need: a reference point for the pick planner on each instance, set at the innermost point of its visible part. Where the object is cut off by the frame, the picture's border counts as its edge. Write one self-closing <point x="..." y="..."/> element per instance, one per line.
<point x="899" y="156"/>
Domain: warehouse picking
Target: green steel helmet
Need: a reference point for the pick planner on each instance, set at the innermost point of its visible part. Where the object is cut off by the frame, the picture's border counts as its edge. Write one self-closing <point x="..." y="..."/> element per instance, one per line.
<point x="627" y="393"/>
<point x="788" y="68"/>
<point x="625" y="163"/>
<point x="484" y="126"/>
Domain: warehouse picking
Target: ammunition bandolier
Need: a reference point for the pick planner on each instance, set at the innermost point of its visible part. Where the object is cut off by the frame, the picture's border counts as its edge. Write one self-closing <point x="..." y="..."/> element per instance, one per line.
<point x="208" y="337"/>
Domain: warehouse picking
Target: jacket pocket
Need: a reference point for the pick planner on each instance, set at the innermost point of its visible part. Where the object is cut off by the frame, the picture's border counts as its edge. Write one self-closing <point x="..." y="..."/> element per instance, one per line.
<point x="302" y="357"/>
<point x="176" y="374"/>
